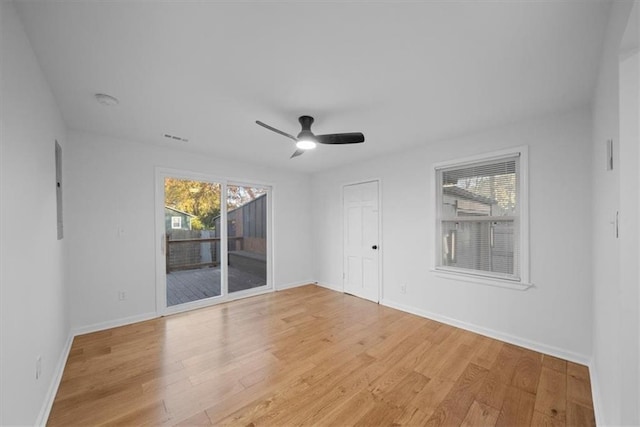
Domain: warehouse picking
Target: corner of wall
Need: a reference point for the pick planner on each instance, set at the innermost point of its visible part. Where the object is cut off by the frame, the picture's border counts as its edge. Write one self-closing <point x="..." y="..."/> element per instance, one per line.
<point x="595" y="393"/>
<point x="47" y="404"/>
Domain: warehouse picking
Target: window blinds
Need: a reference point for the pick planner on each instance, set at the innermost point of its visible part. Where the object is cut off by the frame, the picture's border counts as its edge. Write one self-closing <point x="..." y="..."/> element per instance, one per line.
<point x="478" y="217"/>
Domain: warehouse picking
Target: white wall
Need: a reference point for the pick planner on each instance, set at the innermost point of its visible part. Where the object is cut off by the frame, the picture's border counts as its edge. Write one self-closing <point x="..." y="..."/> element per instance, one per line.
<point x="32" y="281"/>
<point x="111" y="185"/>
<point x="555" y="315"/>
<point x="615" y="261"/>
<point x="630" y="255"/>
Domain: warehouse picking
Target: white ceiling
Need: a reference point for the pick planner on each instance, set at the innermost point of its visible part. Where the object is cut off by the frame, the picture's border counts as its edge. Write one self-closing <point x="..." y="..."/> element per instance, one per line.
<point x="403" y="73"/>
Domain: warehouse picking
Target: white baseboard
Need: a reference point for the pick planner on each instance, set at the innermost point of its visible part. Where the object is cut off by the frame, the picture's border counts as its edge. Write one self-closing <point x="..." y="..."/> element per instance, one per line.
<point x="595" y="393"/>
<point x="536" y="346"/>
<point x="332" y="287"/>
<point x="491" y="333"/>
<point x="113" y="323"/>
<point x="295" y="285"/>
<point x="43" y="416"/>
<point x="47" y="404"/>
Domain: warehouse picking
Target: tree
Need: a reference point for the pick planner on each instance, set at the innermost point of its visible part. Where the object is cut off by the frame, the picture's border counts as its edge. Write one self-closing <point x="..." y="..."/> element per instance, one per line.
<point x="202" y="199"/>
<point x="238" y="195"/>
<point x="198" y="198"/>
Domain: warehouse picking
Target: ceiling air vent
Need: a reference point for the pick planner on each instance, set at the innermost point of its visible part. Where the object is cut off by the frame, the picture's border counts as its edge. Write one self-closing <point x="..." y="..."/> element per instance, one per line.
<point x="176" y="138"/>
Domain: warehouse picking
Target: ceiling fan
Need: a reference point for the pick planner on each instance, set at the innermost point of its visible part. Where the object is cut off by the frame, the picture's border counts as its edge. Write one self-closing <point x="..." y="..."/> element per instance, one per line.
<point x="306" y="140"/>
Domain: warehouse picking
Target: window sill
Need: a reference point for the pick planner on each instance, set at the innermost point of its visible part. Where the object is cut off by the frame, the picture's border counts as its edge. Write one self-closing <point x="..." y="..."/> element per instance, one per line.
<point x="487" y="281"/>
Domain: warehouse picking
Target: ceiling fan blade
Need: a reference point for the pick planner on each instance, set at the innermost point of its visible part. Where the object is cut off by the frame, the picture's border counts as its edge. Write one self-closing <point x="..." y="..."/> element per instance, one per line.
<point x="297" y="153"/>
<point x="276" y="130"/>
<point x="341" y="138"/>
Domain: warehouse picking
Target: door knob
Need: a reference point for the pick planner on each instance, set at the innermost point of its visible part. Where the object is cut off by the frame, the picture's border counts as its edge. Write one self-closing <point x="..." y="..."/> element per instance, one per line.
<point x="374" y="247"/>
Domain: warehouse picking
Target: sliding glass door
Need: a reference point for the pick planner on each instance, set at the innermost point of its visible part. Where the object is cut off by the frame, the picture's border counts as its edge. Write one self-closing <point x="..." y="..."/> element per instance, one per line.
<point x="214" y="240"/>
<point x="247" y="237"/>
<point x="192" y="254"/>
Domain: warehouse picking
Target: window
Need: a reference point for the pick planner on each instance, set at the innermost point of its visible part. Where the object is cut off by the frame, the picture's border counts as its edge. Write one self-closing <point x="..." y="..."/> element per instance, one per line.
<point x="176" y="222"/>
<point x="480" y="227"/>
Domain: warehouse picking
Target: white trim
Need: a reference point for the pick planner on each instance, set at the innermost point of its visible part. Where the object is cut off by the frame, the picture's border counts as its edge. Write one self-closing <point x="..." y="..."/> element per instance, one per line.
<point x="186" y="174"/>
<point x="295" y="285"/>
<point x="488" y="157"/>
<point x="543" y="348"/>
<point x="47" y="404"/>
<point x="595" y="393"/>
<point x="482" y="280"/>
<point x="193" y="305"/>
<point x="220" y="299"/>
<point x="251" y="292"/>
<point x="380" y="243"/>
<point x="524" y="281"/>
<point x="224" y="246"/>
<point x="113" y="323"/>
<point x="160" y="286"/>
<point x="478" y="218"/>
<point x="360" y="181"/>
<point x="491" y="333"/>
<point x="331" y="287"/>
<point x="159" y="176"/>
<point x="525" y="237"/>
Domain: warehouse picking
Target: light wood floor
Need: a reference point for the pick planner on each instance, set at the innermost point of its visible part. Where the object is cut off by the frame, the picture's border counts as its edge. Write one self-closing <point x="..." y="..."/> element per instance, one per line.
<point x="315" y="357"/>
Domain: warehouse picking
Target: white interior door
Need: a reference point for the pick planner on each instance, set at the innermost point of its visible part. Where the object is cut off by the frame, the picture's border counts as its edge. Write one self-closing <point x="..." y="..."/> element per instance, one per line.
<point x="361" y="245"/>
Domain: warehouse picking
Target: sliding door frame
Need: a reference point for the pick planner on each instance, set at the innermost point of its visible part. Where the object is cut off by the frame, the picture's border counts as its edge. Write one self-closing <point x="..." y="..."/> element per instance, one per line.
<point x="160" y="241"/>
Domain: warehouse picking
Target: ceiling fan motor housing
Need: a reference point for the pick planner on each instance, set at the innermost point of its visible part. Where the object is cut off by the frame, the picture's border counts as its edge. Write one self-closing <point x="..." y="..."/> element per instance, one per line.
<point x="305" y="133"/>
<point x="305" y="122"/>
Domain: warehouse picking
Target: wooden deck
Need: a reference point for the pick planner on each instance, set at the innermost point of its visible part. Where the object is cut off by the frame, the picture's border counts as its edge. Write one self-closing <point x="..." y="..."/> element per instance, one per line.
<point x="315" y="357"/>
<point x="192" y="285"/>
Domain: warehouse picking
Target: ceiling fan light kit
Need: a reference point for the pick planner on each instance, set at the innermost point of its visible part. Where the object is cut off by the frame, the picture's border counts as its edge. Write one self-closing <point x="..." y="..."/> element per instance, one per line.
<point x="306" y="140"/>
<point x="306" y="144"/>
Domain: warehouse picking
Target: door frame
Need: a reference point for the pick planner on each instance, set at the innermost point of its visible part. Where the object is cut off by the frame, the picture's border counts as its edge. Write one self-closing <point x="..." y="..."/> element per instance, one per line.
<point x="380" y="249"/>
<point x="159" y="248"/>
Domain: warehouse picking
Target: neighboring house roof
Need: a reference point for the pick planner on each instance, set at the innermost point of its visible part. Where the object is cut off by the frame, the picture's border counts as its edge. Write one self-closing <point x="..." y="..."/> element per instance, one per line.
<point x="179" y="211"/>
<point x="460" y="192"/>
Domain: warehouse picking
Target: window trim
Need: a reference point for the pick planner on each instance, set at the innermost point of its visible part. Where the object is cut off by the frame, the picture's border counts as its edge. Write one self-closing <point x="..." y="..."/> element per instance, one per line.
<point x="523" y="224"/>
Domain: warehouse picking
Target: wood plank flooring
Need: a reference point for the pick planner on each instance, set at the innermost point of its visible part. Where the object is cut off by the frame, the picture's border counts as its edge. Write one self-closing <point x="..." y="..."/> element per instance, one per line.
<point x="311" y="356"/>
